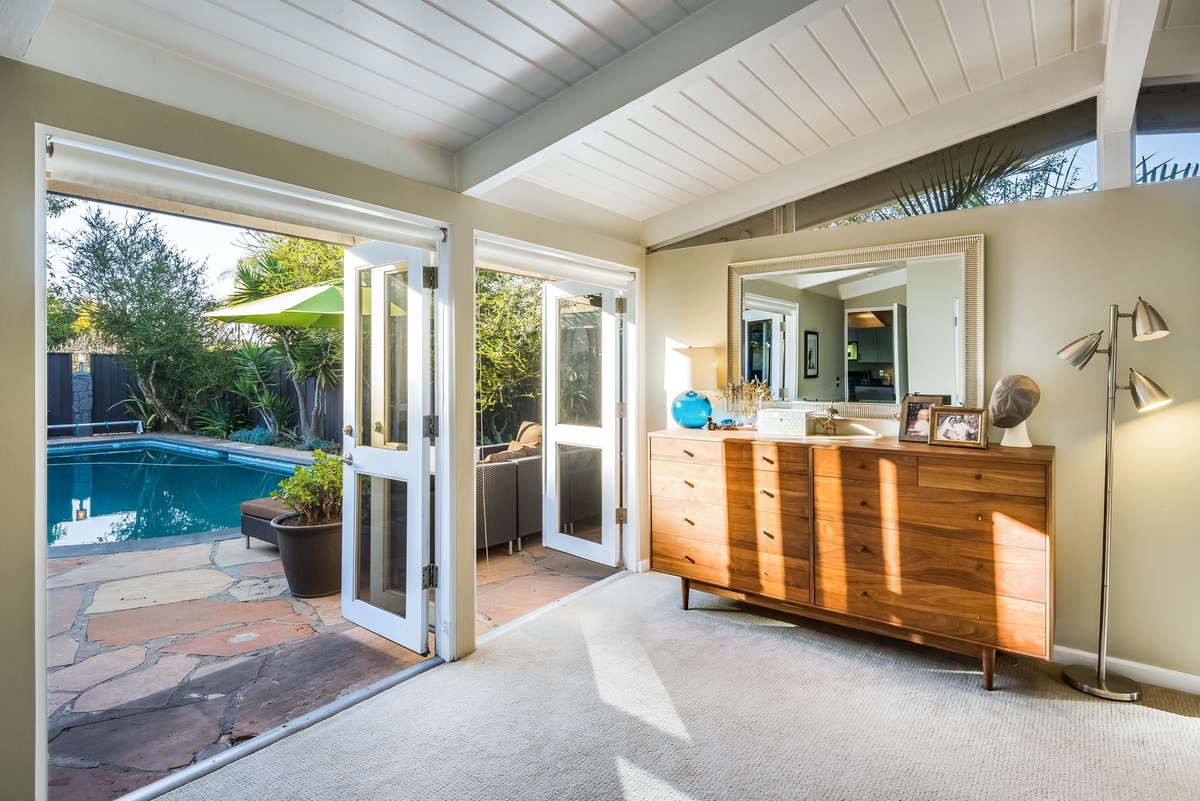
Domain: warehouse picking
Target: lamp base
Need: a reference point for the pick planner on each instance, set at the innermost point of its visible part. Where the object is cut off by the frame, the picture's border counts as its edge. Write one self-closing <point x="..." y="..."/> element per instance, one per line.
<point x="691" y="409"/>
<point x="1114" y="687"/>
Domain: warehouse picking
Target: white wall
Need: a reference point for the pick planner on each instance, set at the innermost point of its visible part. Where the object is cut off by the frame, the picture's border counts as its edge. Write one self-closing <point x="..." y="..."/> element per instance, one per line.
<point x="1051" y="269"/>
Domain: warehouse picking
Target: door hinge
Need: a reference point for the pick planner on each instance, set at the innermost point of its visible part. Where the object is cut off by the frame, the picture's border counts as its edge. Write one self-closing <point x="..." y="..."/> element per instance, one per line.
<point x="621" y="410"/>
<point x="429" y="577"/>
<point x="430" y="429"/>
<point x="430" y="277"/>
<point x="622" y="515"/>
<point x="622" y="305"/>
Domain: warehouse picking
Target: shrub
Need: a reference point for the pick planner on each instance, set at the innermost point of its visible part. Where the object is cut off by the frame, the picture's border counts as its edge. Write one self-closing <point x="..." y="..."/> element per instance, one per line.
<point x="317" y="445"/>
<point x="253" y="436"/>
<point x="220" y="418"/>
<point x="314" y="492"/>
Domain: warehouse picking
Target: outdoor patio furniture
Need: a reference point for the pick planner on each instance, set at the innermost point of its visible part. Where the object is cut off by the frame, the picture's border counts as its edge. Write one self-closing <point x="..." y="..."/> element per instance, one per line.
<point x="508" y="499"/>
<point x="257" y="516"/>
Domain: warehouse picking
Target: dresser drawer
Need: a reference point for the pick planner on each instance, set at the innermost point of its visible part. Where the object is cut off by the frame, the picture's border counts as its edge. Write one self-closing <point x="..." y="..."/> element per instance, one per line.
<point x="692" y="451"/>
<point x="777" y="456"/>
<point x="975" y="516"/>
<point x="865" y="466"/>
<point x="1004" y="479"/>
<point x="1008" y="623"/>
<point x="986" y="568"/>
<point x="754" y="529"/>
<point x="772" y="575"/>
<point x="750" y="489"/>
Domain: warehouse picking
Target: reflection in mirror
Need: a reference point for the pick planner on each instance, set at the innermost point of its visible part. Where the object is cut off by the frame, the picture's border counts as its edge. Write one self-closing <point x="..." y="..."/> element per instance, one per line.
<point x="866" y="333"/>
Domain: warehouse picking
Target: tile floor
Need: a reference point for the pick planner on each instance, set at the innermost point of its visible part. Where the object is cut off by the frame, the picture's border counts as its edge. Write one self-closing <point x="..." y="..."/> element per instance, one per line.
<point x="159" y="658"/>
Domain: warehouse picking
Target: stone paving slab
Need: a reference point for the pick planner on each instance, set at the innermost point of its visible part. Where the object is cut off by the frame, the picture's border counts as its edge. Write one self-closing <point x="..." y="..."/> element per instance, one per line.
<point x="56" y="566"/>
<point x="134" y="563"/>
<point x="497" y="568"/>
<point x="165" y="739"/>
<point x="241" y="640"/>
<point x="263" y="570"/>
<point x="62" y="607"/>
<point x="311" y="674"/>
<point x="225" y="676"/>
<point x="60" y="651"/>
<point x="55" y="701"/>
<point x="235" y="552"/>
<point x="73" y="784"/>
<point x="147" y="688"/>
<point x="329" y="609"/>
<point x="158" y="589"/>
<point x="524" y="594"/>
<point x="185" y="617"/>
<point x="259" y="589"/>
<point x="101" y="667"/>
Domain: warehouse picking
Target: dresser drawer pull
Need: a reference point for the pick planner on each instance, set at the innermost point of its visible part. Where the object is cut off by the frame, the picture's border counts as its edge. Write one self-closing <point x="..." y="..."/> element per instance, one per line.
<point x="690" y="484"/>
<point x="863" y="593"/>
<point x="769" y="535"/>
<point x="862" y="503"/>
<point x="862" y="467"/>
<point x="768" y="461"/>
<point x="979" y="476"/>
<point x="689" y="454"/>
<point x="979" y="518"/>
<point x="863" y="549"/>
<point x="689" y="522"/>
<point x="690" y="559"/>
<point x="768" y="494"/>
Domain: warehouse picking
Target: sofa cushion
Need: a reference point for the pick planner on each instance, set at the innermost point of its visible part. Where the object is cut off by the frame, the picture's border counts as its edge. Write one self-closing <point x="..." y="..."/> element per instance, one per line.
<point x="527" y="434"/>
<point x="264" y="508"/>
<point x="512" y="453"/>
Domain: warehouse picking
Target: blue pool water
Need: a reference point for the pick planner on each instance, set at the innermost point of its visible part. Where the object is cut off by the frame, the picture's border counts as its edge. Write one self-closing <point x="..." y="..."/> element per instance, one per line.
<point x="118" y="493"/>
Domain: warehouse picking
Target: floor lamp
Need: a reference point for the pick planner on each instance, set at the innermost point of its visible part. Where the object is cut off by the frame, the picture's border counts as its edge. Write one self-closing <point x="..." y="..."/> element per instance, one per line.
<point x="1147" y="324"/>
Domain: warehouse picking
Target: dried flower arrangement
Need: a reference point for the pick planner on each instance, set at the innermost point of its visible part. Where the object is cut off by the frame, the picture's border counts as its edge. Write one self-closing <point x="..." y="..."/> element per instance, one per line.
<point x="743" y="398"/>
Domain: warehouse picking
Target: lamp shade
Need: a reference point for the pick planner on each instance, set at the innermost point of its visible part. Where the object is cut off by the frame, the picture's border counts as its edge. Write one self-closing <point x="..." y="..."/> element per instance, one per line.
<point x="1146" y="394"/>
<point x="1081" y="351"/>
<point x="700" y="372"/>
<point x="1148" y="323"/>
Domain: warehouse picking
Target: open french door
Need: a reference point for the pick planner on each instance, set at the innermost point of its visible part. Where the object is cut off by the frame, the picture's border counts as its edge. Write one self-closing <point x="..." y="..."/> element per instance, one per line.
<point x="385" y="530"/>
<point x="581" y="361"/>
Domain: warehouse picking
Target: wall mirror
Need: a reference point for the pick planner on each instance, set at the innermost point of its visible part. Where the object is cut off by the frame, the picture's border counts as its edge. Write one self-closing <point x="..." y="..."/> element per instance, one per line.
<point x="865" y="326"/>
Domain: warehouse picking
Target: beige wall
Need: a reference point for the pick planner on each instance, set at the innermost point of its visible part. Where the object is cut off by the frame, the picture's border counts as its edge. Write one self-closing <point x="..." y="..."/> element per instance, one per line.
<point x="1051" y="269"/>
<point x="28" y="96"/>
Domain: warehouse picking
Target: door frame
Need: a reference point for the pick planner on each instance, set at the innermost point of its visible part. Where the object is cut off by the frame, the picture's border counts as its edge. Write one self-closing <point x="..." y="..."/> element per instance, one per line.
<point x="526" y="258"/>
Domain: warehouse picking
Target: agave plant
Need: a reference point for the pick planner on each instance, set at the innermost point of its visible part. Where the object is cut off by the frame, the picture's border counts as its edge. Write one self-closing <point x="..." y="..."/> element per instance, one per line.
<point x="220" y="418"/>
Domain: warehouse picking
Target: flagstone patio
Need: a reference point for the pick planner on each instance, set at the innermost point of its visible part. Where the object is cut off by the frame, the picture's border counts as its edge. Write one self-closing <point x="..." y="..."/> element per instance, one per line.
<point x="159" y="658"/>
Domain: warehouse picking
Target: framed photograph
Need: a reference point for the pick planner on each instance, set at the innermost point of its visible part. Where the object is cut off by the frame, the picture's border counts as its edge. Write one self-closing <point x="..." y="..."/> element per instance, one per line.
<point x="811" y="338"/>
<point x="915" y="414"/>
<point x="959" y="427"/>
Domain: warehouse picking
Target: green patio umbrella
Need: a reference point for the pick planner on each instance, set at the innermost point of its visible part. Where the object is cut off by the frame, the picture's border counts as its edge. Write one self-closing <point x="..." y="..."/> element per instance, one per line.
<point x="310" y="307"/>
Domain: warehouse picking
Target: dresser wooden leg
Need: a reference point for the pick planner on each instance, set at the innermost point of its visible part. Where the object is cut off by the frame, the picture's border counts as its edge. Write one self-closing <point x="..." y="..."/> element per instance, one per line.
<point x="989" y="667"/>
<point x="686" y="586"/>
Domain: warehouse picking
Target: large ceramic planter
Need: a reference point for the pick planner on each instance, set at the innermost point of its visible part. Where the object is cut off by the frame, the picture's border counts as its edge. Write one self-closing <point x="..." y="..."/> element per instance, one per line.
<point x="311" y="556"/>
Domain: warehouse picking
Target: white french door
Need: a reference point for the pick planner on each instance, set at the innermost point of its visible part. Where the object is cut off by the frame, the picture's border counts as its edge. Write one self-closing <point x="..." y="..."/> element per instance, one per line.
<point x="581" y="364"/>
<point x="385" y="529"/>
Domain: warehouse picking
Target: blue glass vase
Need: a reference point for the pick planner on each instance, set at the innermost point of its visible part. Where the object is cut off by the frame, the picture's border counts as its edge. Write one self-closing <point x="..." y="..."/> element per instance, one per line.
<point x="691" y="409"/>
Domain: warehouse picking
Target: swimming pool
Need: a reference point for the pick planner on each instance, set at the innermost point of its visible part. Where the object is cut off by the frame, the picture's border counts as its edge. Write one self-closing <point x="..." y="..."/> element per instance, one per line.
<point x="137" y="490"/>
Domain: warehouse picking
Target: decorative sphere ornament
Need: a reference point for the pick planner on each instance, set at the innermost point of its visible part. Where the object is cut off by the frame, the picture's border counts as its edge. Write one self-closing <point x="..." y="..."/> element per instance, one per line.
<point x="1013" y="400"/>
<point x="691" y="409"/>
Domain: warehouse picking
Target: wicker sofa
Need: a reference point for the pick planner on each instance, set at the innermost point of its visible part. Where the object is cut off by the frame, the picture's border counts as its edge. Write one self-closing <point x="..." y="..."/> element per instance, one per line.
<point x="508" y="499"/>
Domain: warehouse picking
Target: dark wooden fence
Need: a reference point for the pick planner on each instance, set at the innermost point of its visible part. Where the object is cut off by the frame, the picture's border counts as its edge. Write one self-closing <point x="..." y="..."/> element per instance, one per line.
<point x="331" y="426"/>
<point x="112" y="384"/>
<point x="58" y="392"/>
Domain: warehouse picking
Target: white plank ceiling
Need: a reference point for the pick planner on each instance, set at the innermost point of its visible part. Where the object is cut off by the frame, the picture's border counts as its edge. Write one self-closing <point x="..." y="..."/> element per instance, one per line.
<point x="820" y="92"/>
<point x="864" y="66"/>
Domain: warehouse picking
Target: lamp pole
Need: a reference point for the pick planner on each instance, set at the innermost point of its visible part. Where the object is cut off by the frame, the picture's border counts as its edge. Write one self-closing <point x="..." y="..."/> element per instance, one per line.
<point x="1100" y="682"/>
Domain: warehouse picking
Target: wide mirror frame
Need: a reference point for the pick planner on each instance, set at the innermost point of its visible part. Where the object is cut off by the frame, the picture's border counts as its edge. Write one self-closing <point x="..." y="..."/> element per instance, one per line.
<point x="970" y="248"/>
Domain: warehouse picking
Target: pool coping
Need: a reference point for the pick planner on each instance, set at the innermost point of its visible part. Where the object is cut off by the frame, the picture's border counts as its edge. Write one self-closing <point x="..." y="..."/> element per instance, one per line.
<point x="206" y="447"/>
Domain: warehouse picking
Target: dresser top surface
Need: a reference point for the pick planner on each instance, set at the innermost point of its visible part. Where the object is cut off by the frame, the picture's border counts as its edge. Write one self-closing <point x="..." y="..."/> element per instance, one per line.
<point x="1038" y="453"/>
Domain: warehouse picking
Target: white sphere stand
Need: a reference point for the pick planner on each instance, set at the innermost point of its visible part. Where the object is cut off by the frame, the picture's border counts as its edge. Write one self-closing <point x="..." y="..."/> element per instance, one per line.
<point x="1016" y="437"/>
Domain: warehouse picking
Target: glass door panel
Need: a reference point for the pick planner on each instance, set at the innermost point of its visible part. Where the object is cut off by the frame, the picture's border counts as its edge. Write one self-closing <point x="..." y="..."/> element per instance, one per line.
<point x="581" y="432"/>
<point x="386" y="543"/>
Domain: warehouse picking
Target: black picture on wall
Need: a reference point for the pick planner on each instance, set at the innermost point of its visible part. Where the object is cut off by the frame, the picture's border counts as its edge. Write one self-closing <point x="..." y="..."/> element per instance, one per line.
<point x="810" y="354"/>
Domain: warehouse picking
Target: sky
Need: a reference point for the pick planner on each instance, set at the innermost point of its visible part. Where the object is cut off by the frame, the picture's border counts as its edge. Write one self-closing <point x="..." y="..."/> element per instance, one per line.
<point x="199" y="239"/>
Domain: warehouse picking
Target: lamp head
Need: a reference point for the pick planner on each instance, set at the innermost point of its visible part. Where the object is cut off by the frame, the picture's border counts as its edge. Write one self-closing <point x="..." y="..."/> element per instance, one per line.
<point x="1148" y="323"/>
<point x="1146" y="394"/>
<point x="1081" y="351"/>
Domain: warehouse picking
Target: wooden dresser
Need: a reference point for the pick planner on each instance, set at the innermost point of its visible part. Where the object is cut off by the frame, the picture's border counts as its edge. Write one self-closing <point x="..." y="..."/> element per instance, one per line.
<point x="948" y="547"/>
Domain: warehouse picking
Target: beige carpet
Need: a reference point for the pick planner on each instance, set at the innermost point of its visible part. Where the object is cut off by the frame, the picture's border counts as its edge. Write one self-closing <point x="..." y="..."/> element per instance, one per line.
<point x="621" y="695"/>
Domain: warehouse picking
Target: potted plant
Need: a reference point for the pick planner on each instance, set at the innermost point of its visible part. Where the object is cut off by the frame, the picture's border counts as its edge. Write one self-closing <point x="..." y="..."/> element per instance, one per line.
<point x="310" y="538"/>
